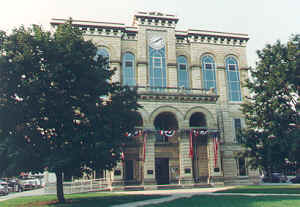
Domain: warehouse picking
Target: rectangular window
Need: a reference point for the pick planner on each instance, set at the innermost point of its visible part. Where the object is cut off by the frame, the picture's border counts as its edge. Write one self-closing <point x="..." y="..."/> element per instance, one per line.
<point x="128" y="64"/>
<point x="231" y="67"/>
<point x="237" y="129"/>
<point x="182" y="66"/>
<point x="208" y="66"/>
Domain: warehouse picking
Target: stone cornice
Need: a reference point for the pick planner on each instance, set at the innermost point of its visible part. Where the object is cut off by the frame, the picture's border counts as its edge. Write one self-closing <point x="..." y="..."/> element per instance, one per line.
<point x="211" y="37"/>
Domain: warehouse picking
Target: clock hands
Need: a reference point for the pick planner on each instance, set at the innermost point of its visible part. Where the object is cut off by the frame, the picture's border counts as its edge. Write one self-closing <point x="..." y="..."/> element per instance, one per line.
<point x="157" y="40"/>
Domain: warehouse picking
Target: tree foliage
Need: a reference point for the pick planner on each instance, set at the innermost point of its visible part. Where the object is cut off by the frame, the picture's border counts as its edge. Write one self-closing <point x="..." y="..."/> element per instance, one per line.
<point x="271" y="134"/>
<point x="58" y="107"/>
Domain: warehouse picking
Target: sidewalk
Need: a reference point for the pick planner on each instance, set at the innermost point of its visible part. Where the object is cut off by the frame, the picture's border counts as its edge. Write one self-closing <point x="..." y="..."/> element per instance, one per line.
<point x="187" y="193"/>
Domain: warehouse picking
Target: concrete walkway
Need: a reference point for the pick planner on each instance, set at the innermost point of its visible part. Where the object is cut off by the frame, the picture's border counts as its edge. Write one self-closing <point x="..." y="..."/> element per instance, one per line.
<point x="186" y="193"/>
<point x="173" y="194"/>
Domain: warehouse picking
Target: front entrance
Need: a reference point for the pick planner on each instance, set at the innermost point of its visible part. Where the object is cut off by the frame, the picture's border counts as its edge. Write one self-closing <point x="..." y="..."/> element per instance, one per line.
<point x="200" y="160"/>
<point x="162" y="170"/>
<point x="128" y="174"/>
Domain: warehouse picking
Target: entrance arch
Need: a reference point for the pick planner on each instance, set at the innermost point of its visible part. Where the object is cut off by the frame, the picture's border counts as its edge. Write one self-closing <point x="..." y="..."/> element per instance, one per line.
<point x="165" y="121"/>
<point x="198" y="120"/>
<point x="200" y="157"/>
<point x="165" y="158"/>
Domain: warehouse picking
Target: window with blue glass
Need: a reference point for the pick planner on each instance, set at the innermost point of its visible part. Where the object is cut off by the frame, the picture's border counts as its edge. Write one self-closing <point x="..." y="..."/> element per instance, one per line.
<point x="233" y="79"/>
<point x="128" y="69"/>
<point x="104" y="53"/>
<point x="182" y="71"/>
<point x="157" y="67"/>
<point x="209" y="72"/>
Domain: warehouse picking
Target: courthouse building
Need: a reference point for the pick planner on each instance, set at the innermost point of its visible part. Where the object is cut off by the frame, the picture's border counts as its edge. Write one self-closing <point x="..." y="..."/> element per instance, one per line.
<point x="190" y="86"/>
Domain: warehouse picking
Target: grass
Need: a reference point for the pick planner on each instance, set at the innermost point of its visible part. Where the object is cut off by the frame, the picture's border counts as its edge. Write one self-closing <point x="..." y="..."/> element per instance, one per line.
<point x="76" y="200"/>
<point x="233" y="201"/>
<point x="266" y="189"/>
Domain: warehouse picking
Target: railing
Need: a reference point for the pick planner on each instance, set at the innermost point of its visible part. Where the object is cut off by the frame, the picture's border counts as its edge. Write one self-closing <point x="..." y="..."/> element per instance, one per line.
<point x="80" y="186"/>
<point x="175" y="90"/>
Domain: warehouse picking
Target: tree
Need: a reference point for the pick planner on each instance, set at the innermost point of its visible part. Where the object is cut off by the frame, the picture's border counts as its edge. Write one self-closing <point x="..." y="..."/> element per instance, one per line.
<point x="271" y="135"/>
<point x="58" y="107"/>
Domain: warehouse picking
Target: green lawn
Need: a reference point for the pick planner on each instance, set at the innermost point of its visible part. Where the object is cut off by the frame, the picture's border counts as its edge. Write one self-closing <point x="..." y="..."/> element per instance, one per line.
<point x="76" y="200"/>
<point x="268" y="189"/>
<point x="233" y="201"/>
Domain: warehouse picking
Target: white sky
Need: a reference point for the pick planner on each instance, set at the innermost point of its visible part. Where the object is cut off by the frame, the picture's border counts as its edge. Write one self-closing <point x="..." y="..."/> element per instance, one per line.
<point x="264" y="20"/>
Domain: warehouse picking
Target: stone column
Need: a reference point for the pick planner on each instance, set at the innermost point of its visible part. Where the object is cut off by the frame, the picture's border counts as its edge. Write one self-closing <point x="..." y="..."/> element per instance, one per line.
<point x="215" y="177"/>
<point x="221" y="84"/>
<point x="229" y="166"/>
<point x="185" y="161"/>
<point x="149" y="163"/>
<point x="195" y="78"/>
<point x="172" y="75"/>
<point x="142" y="74"/>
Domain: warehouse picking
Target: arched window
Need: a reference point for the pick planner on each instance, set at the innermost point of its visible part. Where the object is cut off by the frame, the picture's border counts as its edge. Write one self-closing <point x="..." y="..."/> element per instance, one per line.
<point x="233" y="79"/>
<point x="209" y="72"/>
<point x="104" y="54"/>
<point x="157" y="72"/>
<point x="182" y="71"/>
<point x="128" y="69"/>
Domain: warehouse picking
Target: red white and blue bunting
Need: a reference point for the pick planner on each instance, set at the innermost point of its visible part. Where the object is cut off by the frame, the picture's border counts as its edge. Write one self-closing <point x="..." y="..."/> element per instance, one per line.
<point x="167" y="133"/>
<point x="136" y="133"/>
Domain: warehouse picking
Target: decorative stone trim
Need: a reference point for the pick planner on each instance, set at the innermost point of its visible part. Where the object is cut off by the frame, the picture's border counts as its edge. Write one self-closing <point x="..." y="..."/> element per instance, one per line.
<point x="171" y="94"/>
<point x="211" y="37"/>
<point x="155" y="19"/>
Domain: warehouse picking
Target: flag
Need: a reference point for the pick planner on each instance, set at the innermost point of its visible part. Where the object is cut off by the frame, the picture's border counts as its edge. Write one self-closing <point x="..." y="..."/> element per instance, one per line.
<point x="144" y="146"/>
<point x="216" y="146"/>
<point x="122" y="156"/>
<point x="191" y="144"/>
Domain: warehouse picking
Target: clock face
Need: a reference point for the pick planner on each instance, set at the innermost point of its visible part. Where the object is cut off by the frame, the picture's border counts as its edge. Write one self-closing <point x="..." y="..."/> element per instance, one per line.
<point x="157" y="42"/>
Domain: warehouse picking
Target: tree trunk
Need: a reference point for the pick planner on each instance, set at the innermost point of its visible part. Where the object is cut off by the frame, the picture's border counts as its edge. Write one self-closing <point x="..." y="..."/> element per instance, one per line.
<point x="59" y="186"/>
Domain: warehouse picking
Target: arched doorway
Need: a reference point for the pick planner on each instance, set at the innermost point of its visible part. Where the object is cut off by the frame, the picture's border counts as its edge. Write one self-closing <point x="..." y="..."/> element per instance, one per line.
<point x="166" y="151"/>
<point x="200" y="158"/>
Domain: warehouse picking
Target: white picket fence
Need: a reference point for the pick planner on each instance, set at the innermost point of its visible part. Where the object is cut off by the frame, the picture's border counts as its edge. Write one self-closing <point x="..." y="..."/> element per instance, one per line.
<point x="80" y="186"/>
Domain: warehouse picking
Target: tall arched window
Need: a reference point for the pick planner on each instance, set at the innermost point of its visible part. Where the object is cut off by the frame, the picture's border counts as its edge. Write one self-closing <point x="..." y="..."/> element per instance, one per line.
<point x="182" y="71"/>
<point x="157" y="72"/>
<point x="209" y="72"/>
<point x="233" y="79"/>
<point x="104" y="53"/>
<point x="128" y="69"/>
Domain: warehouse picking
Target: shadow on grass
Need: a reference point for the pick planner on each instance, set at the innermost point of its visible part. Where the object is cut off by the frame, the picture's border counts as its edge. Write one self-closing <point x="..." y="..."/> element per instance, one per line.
<point x="284" y="189"/>
<point x="103" y="200"/>
<point x="76" y="200"/>
<point x="233" y="201"/>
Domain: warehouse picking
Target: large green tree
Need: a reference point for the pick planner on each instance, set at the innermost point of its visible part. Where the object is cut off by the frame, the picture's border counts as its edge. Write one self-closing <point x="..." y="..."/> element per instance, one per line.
<point x="58" y="108"/>
<point x="271" y="134"/>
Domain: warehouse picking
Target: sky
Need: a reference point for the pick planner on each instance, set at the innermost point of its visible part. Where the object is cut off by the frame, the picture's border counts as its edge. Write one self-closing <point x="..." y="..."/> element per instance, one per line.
<point x="265" y="21"/>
